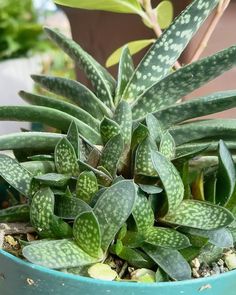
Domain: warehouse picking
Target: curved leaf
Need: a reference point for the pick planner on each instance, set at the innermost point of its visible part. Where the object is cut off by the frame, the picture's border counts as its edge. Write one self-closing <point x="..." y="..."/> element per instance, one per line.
<point x="86" y="186"/>
<point x="167" y="146"/>
<point x="108" y="129"/>
<point x="53" y="179"/>
<point x="17" y="213"/>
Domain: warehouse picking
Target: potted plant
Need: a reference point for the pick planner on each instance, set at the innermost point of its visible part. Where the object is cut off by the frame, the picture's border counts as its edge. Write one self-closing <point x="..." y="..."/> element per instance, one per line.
<point x="123" y="184"/>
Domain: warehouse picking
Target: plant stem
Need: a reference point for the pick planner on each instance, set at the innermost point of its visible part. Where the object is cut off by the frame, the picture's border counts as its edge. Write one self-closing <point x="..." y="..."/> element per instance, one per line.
<point x="152" y="18"/>
<point x="223" y="4"/>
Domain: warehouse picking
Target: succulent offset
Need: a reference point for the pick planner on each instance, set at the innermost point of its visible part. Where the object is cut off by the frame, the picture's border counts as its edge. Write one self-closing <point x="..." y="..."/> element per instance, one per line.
<point x="122" y="177"/>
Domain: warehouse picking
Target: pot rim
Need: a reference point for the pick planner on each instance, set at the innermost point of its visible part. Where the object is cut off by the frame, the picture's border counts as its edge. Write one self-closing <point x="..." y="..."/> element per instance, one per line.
<point x="203" y="281"/>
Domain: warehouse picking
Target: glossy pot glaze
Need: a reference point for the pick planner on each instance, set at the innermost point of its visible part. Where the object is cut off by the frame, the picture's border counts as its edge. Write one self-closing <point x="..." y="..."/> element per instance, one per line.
<point x="20" y="277"/>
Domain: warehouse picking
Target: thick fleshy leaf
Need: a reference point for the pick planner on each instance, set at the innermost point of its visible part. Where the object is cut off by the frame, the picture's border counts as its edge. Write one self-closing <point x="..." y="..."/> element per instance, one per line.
<point x="220" y="237"/>
<point x="102" y="82"/>
<point x="86" y="186"/>
<point x="69" y="207"/>
<point x="42" y="141"/>
<point x="133" y="46"/>
<point x="167" y="146"/>
<point x="74" y="139"/>
<point x="154" y="127"/>
<point x="124" y="6"/>
<point x="175" y="86"/>
<point x="226" y="175"/>
<point x="87" y="233"/>
<point x="39" y="167"/>
<point x="142" y="213"/>
<point x="108" y="129"/>
<point x="17" y="213"/>
<point x="202" y="129"/>
<point x="53" y="179"/>
<point x="168" y="47"/>
<point x="189" y="151"/>
<point x="61" y="105"/>
<point x="75" y="92"/>
<point x="143" y="160"/>
<point x="150" y="189"/>
<point x="198" y="187"/>
<point x="167" y="238"/>
<point x="201" y="215"/>
<point x="138" y="135"/>
<point x="15" y="174"/>
<point x="65" y="158"/>
<point x="171" y="261"/>
<point x="103" y="178"/>
<point x="132" y="239"/>
<point x="210" y="187"/>
<point x="201" y="106"/>
<point x="57" y="254"/>
<point x="171" y="180"/>
<point x="111" y="154"/>
<point x="50" y="117"/>
<point x="125" y="71"/>
<point x="113" y="208"/>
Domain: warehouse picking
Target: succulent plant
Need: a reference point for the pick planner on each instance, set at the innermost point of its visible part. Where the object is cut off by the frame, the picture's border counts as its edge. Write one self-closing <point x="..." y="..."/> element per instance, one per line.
<point x="123" y="178"/>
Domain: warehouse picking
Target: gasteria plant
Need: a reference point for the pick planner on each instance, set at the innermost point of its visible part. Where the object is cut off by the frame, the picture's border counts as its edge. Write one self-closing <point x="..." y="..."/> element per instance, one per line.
<point x="118" y="183"/>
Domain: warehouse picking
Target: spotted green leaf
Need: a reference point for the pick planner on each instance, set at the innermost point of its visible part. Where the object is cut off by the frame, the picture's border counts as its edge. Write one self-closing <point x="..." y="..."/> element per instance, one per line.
<point x="154" y="127"/>
<point x="189" y="151"/>
<point x="171" y="261"/>
<point x="102" y="81"/>
<point x="17" y="213"/>
<point x="171" y="180"/>
<point x="201" y="106"/>
<point x="74" y="139"/>
<point x="201" y="215"/>
<point x="87" y="233"/>
<point x="167" y="146"/>
<point x="125" y="71"/>
<point x="50" y="117"/>
<point x="53" y="179"/>
<point x="150" y="189"/>
<point x="61" y="105"/>
<point x="167" y="238"/>
<point x="202" y="129"/>
<point x="108" y="129"/>
<point x="168" y="47"/>
<point x="57" y="254"/>
<point x="38" y="141"/>
<point x="142" y="213"/>
<point x="111" y="154"/>
<point x="226" y="176"/>
<point x="138" y="135"/>
<point x="143" y="160"/>
<point x="113" y="208"/>
<point x="86" y="186"/>
<point x="75" y="92"/>
<point x="69" y="207"/>
<point x="180" y="83"/>
<point x="15" y="174"/>
<point x="65" y="158"/>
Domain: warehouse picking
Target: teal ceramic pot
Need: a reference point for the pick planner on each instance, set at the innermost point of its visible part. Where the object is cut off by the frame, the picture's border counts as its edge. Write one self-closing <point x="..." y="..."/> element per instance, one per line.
<point x="18" y="277"/>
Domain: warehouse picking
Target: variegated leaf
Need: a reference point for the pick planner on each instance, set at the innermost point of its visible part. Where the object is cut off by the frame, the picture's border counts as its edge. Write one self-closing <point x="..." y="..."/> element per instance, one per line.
<point x="69" y="207"/>
<point x="171" y="180"/>
<point x="113" y="208"/>
<point x="86" y="186"/>
<point x="125" y="71"/>
<point x="194" y="108"/>
<point x="138" y="135"/>
<point x="142" y="213"/>
<point x="150" y="189"/>
<point x="201" y="215"/>
<point x="74" y="139"/>
<point x="171" y="261"/>
<point x="57" y="254"/>
<point x="226" y="175"/>
<point x="53" y="179"/>
<point x="154" y="127"/>
<point x="75" y="92"/>
<point x="167" y="146"/>
<point x="102" y="81"/>
<point x="65" y="158"/>
<point x="165" y="51"/>
<point x="108" y="129"/>
<point x="15" y="174"/>
<point x="175" y="86"/>
<point x="111" y="154"/>
<point x="167" y="238"/>
<point x="87" y="233"/>
<point x="17" y="213"/>
<point x="58" y="104"/>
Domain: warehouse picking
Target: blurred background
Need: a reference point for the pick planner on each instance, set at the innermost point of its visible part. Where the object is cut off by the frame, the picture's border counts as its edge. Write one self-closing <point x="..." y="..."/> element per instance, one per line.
<point x="24" y="49"/>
